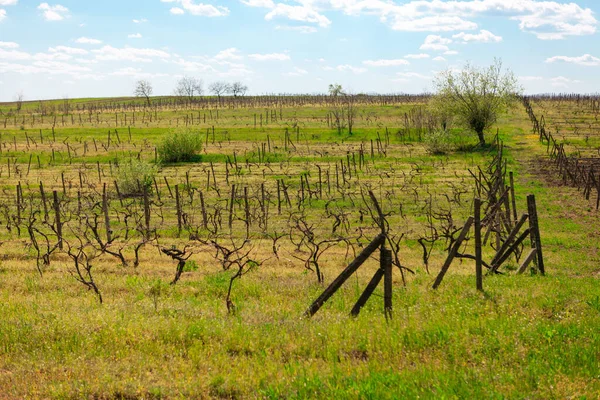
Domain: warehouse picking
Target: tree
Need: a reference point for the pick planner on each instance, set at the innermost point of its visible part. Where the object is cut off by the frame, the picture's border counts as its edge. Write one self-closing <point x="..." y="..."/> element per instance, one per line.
<point x="219" y="88"/>
<point x="335" y="89"/>
<point x="238" y="89"/>
<point x="19" y="100"/>
<point x="343" y="108"/>
<point x="475" y="96"/>
<point x="144" y="89"/>
<point x="189" y="87"/>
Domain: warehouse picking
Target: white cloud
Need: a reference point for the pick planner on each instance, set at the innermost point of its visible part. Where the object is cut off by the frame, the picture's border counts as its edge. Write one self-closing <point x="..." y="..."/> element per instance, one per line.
<point x="385" y="63"/>
<point x="44" y="67"/>
<point x="301" y="28"/>
<point x="67" y="50"/>
<point x="270" y="57"/>
<point x="298" y="13"/>
<point x="194" y="66"/>
<point x="135" y="36"/>
<point x="199" y="9"/>
<point x="109" y="53"/>
<point x="86" y="40"/>
<point x="346" y="67"/>
<point x="259" y="3"/>
<point x="296" y="72"/>
<point x="5" y="3"/>
<point x="14" y="55"/>
<point x="140" y="21"/>
<point x="417" y="56"/>
<point x="412" y="75"/>
<point x="439" y="58"/>
<point x="587" y="59"/>
<point x="228" y="54"/>
<point x="545" y="19"/>
<point x="562" y="82"/>
<point x="53" y="13"/>
<point x="436" y="43"/>
<point x="482" y="37"/>
<point x="9" y="45"/>
<point x="137" y="73"/>
<point x="451" y="52"/>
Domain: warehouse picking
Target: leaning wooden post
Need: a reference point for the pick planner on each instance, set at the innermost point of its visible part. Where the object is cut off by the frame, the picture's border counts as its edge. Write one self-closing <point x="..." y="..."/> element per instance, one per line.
<point x="371" y="286"/>
<point x="453" y="252"/>
<point x="58" y="222"/>
<point x="347" y="273"/>
<point x="535" y="232"/>
<point x="478" y="256"/>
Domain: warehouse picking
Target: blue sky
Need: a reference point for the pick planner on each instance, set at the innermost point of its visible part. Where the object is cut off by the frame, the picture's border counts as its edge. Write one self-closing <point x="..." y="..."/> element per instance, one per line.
<point x="83" y="48"/>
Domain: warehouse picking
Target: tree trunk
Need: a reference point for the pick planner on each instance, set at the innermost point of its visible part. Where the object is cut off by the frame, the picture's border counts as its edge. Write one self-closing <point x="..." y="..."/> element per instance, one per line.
<point x="481" y="137"/>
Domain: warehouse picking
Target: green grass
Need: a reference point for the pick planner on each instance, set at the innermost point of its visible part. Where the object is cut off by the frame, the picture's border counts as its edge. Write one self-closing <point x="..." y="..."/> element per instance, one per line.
<point x="528" y="336"/>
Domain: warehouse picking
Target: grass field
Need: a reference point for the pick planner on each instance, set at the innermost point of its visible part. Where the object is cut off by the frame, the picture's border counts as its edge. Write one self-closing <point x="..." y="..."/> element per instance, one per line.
<point x="529" y="336"/>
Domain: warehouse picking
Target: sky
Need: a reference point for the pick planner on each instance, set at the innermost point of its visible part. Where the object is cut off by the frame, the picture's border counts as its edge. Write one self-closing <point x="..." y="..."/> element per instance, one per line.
<point x="91" y="48"/>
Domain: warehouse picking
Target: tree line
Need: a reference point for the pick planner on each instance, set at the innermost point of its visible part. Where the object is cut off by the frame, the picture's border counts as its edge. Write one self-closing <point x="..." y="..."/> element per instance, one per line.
<point x="191" y="87"/>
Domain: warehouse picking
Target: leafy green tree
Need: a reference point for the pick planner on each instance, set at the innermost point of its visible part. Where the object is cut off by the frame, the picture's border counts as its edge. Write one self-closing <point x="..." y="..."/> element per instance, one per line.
<point x="475" y="96"/>
<point x="335" y="89"/>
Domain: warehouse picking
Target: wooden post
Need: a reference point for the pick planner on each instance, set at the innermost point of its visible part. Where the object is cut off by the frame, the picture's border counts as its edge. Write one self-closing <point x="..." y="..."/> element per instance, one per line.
<point x="231" y="206"/>
<point x="347" y="273"/>
<point x="106" y="216"/>
<point x="178" y="205"/>
<point x="478" y="256"/>
<point x="453" y="251"/>
<point x="527" y="261"/>
<point x="58" y="221"/>
<point x="536" y="242"/>
<point x="204" y="217"/>
<point x="44" y="201"/>
<point x="147" y="211"/>
<point x="362" y="300"/>
<point x="386" y="266"/>
<point x="512" y="195"/>
<point x="512" y="235"/>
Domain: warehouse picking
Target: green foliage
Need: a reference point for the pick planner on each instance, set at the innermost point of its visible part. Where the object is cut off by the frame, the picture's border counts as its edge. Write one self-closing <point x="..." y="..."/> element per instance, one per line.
<point x="474" y="96"/>
<point x="133" y="175"/>
<point x="190" y="266"/>
<point x="438" y="141"/>
<point x="182" y="146"/>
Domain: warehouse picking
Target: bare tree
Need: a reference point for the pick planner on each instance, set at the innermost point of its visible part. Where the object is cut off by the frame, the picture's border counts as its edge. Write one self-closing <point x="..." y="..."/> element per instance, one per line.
<point x="144" y="89"/>
<point x="66" y="105"/>
<point x="189" y="87"/>
<point x="19" y="100"/>
<point x="238" y="89"/>
<point x="219" y="88"/>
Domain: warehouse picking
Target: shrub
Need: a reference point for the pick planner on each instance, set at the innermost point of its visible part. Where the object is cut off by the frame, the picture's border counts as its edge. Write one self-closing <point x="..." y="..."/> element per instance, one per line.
<point x="180" y="147"/>
<point x="133" y="175"/>
<point x="438" y="141"/>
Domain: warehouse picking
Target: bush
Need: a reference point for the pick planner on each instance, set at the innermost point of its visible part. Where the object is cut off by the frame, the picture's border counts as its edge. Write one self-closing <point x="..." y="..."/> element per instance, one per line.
<point x="180" y="147"/>
<point x="438" y="141"/>
<point x="133" y="175"/>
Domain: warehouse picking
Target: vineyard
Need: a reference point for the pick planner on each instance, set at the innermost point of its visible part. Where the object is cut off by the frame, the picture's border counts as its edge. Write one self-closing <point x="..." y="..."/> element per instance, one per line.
<point x="124" y="276"/>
